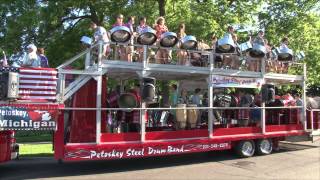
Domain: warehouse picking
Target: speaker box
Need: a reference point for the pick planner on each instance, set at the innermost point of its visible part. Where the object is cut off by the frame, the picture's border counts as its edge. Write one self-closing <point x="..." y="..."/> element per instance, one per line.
<point x="148" y="89"/>
<point x="268" y="93"/>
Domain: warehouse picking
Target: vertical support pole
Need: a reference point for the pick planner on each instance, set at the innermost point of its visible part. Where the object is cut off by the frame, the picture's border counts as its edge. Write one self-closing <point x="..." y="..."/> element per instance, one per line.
<point x="98" y="106"/>
<point x="263" y="104"/>
<point x="61" y="87"/>
<point x="87" y="60"/>
<point x="145" y="62"/>
<point x="143" y="122"/>
<point x="99" y="94"/>
<point x="100" y="54"/>
<point x="304" y="99"/>
<point x="210" y="111"/>
<point x="143" y="104"/>
<point x="263" y="117"/>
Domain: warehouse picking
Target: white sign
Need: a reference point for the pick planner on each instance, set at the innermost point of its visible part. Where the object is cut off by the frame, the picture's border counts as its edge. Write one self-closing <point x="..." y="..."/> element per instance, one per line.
<point x="237" y="82"/>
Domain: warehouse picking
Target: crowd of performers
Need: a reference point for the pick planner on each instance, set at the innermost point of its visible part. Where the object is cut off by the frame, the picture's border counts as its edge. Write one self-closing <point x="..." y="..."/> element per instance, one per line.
<point x="165" y="56"/>
<point x="181" y="119"/>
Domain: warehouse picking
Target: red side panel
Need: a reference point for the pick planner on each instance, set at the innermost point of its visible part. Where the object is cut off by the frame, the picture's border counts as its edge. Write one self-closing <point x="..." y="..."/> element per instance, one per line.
<point x="5" y="142"/>
<point x="83" y="123"/>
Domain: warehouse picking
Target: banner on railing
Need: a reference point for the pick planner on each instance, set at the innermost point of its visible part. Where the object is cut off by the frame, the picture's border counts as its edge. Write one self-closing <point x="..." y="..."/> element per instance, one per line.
<point x="22" y="118"/>
<point x="237" y="82"/>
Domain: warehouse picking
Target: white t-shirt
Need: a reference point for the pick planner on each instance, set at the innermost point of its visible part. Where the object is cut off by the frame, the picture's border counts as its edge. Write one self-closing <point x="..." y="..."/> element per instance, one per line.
<point x="101" y="34"/>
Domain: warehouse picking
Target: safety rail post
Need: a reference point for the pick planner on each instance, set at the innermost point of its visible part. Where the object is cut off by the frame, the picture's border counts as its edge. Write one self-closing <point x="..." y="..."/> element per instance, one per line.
<point x="61" y="87"/>
<point x="143" y="104"/>
<point x="210" y="87"/>
<point x="304" y="98"/>
<point x="99" y="95"/>
<point x="263" y="104"/>
<point x="88" y="60"/>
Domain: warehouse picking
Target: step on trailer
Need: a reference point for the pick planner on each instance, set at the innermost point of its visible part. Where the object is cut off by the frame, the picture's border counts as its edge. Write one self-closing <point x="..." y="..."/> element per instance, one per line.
<point x="75" y="104"/>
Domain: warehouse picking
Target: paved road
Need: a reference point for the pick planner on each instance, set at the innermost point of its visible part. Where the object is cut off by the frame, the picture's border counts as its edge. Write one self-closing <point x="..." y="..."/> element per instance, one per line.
<point x="293" y="161"/>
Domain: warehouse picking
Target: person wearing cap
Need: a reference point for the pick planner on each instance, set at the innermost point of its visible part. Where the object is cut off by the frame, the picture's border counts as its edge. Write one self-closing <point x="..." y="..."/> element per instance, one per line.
<point x="31" y="59"/>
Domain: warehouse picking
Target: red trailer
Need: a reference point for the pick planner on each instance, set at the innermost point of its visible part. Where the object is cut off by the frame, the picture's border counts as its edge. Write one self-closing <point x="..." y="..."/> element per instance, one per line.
<point x="8" y="148"/>
<point x="91" y="123"/>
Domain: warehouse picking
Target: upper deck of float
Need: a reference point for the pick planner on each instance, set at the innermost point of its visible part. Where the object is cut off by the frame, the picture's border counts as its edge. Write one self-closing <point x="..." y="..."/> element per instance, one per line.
<point x="124" y="70"/>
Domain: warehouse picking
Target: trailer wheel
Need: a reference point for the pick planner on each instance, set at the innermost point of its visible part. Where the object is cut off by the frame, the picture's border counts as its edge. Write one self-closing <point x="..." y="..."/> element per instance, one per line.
<point x="264" y="146"/>
<point x="245" y="148"/>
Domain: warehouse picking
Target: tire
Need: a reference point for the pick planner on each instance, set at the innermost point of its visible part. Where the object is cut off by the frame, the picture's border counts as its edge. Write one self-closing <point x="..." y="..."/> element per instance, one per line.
<point x="245" y="148"/>
<point x="264" y="146"/>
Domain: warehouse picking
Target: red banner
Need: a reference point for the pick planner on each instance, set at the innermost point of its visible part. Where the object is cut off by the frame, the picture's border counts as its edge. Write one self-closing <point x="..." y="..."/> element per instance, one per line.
<point x="136" y="151"/>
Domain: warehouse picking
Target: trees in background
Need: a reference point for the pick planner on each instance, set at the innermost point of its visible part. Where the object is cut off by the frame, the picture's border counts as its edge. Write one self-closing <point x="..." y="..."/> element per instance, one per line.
<point x="58" y="25"/>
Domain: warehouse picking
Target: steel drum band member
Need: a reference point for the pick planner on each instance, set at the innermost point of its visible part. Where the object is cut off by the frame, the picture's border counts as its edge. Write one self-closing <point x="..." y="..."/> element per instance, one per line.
<point x="142" y="26"/>
<point x="162" y="56"/>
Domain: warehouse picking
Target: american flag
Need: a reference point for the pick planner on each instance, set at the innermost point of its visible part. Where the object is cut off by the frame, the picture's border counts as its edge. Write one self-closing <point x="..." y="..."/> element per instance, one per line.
<point x="37" y="84"/>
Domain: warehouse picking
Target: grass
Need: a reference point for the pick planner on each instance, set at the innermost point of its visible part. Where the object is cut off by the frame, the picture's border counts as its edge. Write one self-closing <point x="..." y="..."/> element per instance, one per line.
<point x="34" y="138"/>
<point x="35" y="150"/>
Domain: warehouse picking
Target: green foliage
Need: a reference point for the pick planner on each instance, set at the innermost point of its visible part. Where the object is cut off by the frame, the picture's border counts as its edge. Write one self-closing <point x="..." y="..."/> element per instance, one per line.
<point x="58" y="25"/>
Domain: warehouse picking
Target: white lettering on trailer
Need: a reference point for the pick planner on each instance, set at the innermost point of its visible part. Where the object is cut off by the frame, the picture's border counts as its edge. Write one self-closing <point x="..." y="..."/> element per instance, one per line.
<point x="152" y="150"/>
<point x="173" y="149"/>
<point x="13" y="112"/>
<point x="135" y="152"/>
<point x="103" y="154"/>
<point x="27" y="124"/>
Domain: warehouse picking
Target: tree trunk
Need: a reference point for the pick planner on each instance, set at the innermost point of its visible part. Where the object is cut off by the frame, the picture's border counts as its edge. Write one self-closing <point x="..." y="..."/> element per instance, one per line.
<point x="162" y="10"/>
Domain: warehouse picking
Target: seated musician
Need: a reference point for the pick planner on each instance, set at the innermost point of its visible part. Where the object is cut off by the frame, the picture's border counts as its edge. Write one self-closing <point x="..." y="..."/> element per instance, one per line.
<point x="120" y="51"/>
<point x="142" y="26"/>
<point x="162" y="56"/>
<point x="182" y="54"/>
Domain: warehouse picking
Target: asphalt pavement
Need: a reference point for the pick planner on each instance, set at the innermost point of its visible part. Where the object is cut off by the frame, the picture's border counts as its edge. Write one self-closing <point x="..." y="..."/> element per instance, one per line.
<point x="297" y="160"/>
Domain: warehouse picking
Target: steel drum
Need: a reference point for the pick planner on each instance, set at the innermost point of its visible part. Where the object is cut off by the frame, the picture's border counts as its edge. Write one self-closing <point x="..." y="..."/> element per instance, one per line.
<point x="147" y="36"/>
<point x="192" y="116"/>
<point x="258" y="51"/>
<point x="86" y="40"/>
<point x="168" y="39"/>
<point x="189" y="42"/>
<point x="120" y="34"/>
<point x="181" y="116"/>
<point x="245" y="46"/>
<point x="226" y="44"/>
<point x="285" y="54"/>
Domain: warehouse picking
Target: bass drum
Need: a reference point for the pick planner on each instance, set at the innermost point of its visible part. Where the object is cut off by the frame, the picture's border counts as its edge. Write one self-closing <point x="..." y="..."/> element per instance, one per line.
<point x="192" y="116"/>
<point x="181" y="116"/>
<point x="128" y="100"/>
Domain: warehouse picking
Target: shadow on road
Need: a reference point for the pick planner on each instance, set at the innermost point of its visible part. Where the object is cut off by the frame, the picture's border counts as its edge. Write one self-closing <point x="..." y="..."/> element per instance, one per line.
<point x="46" y="167"/>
